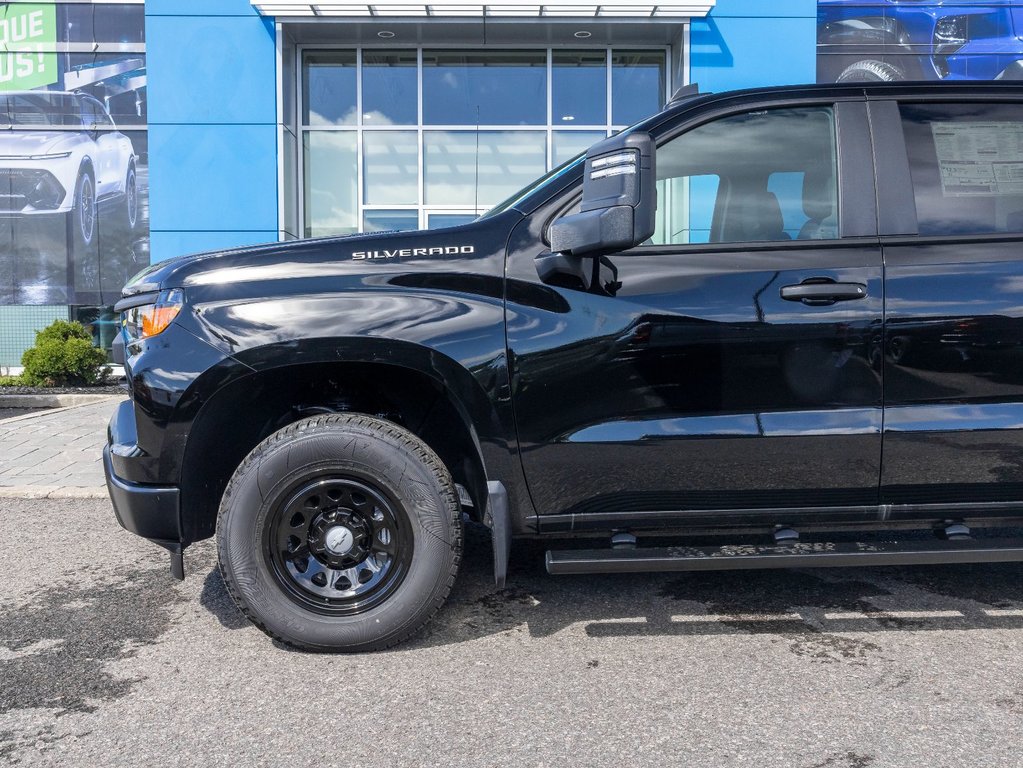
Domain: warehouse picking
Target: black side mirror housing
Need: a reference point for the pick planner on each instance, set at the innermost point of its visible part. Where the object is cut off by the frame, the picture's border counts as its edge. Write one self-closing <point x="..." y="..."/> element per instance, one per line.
<point x="619" y="204"/>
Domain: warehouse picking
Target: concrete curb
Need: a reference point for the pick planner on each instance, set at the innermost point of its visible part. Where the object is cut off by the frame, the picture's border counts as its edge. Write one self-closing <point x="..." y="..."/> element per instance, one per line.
<point x="51" y="401"/>
<point x="51" y="492"/>
<point x="47" y="411"/>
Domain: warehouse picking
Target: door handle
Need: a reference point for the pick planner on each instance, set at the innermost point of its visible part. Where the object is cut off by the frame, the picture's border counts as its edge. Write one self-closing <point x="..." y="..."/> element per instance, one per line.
<point x="823" y="294"/>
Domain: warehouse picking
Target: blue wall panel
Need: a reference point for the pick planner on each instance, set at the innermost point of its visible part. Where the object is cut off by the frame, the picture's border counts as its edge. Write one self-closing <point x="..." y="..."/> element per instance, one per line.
<point x="212" y="125"/>
<point x="750" y="43"/>
<point x="200" y="8"/>
<point x="211" y="70"/>
<point x="221" y="177"/>
<point x="192" y="242"/>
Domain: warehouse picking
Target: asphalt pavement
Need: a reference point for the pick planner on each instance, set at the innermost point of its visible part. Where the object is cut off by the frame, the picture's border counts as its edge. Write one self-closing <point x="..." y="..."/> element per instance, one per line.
<point x="106" y="661"/>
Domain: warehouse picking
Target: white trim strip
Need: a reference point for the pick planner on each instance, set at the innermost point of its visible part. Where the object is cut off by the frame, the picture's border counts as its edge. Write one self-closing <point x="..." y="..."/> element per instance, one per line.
<point x="469" y="8"/>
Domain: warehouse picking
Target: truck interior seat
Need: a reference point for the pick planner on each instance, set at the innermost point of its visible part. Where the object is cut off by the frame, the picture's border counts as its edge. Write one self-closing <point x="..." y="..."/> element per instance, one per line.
<point x="819" y="206"/>
<point x="756" y="216"/>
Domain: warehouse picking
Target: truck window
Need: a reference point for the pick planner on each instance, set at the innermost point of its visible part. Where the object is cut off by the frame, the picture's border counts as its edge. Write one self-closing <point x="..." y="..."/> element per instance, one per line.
<point x="966" y="161"/>
<point x="765" y="175"/>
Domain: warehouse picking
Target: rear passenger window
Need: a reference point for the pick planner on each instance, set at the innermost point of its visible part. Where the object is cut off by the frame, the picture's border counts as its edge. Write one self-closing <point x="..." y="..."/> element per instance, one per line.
<point x="759" y="176"/>
<point x="967" y="166"/>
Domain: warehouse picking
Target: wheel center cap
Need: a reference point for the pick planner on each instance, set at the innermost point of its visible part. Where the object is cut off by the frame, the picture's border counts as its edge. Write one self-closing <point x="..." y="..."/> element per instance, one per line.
<point x="339" y="540"/>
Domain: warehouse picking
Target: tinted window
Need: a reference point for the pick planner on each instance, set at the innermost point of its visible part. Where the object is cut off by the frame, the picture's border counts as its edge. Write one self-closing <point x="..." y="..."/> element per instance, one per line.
<point x="967" y="167"/>
<point x="489" y="88"/>
<point x="759" y="176"/>
<point x="475" y="170"/>
<point x="329" y="89"/>
<point x="579" y="88"/>
<point x="637" y="85"/>
<point x="389" y="88"/>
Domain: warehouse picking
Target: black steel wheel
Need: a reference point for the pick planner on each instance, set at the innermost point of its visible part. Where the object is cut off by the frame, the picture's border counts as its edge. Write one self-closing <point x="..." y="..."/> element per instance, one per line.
<point x="340" y="532"/>
<point x="338" y="546"/>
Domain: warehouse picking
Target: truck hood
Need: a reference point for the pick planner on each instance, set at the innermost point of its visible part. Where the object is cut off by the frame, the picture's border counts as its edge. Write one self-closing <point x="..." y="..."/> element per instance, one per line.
<point x="319" y="259"/>
<point x="28" y="143"/>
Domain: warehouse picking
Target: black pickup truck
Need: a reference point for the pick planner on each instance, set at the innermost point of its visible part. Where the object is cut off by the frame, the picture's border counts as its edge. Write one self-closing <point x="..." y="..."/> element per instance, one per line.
<point x="786" y="321"/>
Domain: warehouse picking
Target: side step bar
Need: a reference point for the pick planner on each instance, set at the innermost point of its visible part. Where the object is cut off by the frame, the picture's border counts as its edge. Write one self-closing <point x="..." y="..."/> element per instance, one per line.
<point x="797" y="555"/>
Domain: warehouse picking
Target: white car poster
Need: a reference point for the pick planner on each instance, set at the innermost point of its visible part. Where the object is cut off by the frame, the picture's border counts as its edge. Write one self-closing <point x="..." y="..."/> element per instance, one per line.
<point x="74" y="221"/>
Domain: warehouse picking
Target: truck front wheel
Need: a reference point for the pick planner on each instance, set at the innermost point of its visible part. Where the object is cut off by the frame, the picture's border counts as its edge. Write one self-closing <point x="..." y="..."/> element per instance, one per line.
<point x="340" y="533"/>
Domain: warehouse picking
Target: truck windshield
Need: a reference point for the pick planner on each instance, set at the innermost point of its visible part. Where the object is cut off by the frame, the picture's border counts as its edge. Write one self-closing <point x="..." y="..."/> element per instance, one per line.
<point x="561" y="170"/>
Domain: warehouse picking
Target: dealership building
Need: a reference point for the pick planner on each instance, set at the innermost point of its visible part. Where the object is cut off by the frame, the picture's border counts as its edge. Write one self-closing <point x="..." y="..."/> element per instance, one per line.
<point x="303" y="119"/>
<point x="263" y="120"/>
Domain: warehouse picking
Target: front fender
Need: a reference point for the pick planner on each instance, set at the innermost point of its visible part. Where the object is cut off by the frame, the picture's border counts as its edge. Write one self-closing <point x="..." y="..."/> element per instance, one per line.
<point x="456" y="339"/>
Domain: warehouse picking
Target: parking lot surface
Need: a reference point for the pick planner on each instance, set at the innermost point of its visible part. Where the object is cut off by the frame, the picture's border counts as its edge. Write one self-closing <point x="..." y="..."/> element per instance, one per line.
<point x="105" y="660"/>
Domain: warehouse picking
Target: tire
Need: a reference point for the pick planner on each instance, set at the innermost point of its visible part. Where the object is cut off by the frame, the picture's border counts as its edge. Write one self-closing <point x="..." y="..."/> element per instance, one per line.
<point x="84" y="212"/>
<point x="872" y="71"/>
<point x="316" y="487"/>
<point x="131" y="199"/>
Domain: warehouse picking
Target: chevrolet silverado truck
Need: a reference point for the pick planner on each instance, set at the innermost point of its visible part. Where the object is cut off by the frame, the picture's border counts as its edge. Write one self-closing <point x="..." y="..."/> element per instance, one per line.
<point x="710" y="342"/>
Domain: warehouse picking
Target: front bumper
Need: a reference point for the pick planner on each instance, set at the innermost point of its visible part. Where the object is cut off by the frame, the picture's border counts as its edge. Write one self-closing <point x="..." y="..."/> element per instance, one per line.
<point x="150" y="511"/>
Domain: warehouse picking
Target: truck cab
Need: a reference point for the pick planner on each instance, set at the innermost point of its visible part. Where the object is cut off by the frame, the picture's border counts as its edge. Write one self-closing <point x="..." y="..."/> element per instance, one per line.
<point x="788" y="319"/>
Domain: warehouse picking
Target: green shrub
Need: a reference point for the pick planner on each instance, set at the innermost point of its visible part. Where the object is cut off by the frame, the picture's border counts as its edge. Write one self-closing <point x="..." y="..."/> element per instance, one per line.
<point x="10" y="381"/>
<point x="63" y="354"/>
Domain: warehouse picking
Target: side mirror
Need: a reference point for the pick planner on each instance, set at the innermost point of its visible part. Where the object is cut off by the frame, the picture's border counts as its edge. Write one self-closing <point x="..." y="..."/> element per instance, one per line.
<point x="619" y="203"/>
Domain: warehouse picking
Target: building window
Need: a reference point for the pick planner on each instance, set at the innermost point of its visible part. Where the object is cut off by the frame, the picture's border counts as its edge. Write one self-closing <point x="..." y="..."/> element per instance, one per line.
<point x="485" y="88"/>
<point x="390" y="88"/>
<point x="424" y="138"/>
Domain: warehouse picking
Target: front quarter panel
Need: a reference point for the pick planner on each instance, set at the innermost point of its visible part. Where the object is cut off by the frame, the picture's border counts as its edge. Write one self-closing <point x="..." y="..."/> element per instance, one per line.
<point x="432" y="302"/>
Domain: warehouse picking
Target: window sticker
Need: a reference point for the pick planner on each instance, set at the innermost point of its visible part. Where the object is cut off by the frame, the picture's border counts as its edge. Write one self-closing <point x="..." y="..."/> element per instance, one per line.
<point x="979" y="158"/>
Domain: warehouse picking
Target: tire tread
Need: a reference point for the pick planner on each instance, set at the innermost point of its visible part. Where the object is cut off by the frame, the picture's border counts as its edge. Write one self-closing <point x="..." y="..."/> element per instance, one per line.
<point x="395" y="433"/>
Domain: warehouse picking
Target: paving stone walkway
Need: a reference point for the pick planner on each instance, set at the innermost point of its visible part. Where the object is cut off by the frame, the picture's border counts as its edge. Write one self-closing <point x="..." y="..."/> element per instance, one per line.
<point x="55" y="453"/>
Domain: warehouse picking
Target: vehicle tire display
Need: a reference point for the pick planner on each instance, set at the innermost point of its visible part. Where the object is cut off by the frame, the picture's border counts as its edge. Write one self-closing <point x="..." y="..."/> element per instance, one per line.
<point x="871" y="70"/>
<point x="340" y="532"/>
<point x="84" y="212"/>
<point x="131" y="199"/>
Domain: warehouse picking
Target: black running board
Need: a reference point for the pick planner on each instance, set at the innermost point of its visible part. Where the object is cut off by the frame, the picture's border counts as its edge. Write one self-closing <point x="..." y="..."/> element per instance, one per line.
<point x="800" y="555"/>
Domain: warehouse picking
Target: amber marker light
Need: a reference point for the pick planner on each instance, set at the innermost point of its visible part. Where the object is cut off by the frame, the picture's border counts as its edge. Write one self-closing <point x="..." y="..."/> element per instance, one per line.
<point x="152" y="319"/>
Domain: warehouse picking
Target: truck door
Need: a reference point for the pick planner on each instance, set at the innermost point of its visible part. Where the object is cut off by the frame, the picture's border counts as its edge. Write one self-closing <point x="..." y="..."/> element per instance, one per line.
<point x="951" y="202"/>
<point x="729" y="367"/>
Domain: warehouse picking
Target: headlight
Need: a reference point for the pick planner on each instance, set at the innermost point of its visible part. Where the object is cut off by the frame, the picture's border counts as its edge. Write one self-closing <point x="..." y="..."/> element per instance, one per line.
<point x="952" y="31"/>
<point x="151" y="319"/>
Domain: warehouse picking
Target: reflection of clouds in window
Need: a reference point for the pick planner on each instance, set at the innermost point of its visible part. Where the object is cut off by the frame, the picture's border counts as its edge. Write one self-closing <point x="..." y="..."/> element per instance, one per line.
<point x="508" y="161"/>
<point x="330" y="183"/>
<point x="391" y="167"/>
<point x="348" y="118"/>
<point x="490" y="87"/>
<point x="376" y="117"/>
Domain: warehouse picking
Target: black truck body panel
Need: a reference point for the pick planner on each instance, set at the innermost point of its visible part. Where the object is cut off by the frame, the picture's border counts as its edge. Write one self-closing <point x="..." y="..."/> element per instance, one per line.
<point x="695" y="396"/>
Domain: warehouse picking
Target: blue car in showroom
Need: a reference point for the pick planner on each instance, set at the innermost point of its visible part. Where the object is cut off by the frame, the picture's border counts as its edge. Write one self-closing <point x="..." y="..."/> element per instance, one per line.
<point x="919" y="40"/>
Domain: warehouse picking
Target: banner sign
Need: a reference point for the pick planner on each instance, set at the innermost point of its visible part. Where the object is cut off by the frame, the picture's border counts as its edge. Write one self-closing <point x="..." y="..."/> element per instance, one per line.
<point x="28" y="37"/>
